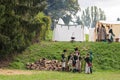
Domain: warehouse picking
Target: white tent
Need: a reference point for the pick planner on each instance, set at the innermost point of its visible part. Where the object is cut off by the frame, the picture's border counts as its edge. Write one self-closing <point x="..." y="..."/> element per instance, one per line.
<point x="60" y="21"/>
<point x="64" y="33"/>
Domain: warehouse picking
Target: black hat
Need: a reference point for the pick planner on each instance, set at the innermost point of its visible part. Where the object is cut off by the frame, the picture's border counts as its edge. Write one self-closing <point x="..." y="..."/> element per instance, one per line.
<point x="64" y="50"/>
<point x="76" y="48"/>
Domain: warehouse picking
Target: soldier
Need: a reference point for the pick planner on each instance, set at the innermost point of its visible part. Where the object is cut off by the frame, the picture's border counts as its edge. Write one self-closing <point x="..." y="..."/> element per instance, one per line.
<point x="87" y="67"/>
<point x="63" y="60"/>
<point x="90" y="58"/>
<point x="111" y="34"/>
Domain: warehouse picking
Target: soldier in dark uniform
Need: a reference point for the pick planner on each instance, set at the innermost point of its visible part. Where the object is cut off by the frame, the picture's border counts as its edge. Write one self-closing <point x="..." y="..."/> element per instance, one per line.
<point x="63" y="60"/>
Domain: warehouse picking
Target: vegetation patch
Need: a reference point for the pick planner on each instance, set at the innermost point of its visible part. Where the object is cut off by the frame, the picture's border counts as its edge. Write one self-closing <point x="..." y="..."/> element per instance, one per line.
<point x="105" y="56"/>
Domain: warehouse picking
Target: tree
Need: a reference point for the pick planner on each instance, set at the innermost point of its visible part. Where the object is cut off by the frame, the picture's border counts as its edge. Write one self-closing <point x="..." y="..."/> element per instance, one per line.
<point x="91" y="15"/>
<point x="18" y="28"/>
<point x="78" y="21"/>
<point x="44" y="29"/>
<point x="62" y="9"/>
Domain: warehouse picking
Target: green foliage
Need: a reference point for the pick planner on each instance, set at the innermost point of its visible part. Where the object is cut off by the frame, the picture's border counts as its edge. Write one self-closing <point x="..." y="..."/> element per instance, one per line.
<point x="86" y="17"/>
<point x="60" y="9"/>
<point x="17" y="65"/>
<point x="49" y="36"/>
<point x="86" y="37"/>
<point x="105" y="56"/>
<point x="45" y="21"/>
<point x="67" y="19"/>
<point x="17" y="29"/>
<point x="2" y="12"/>
<point x="78" y="21"/>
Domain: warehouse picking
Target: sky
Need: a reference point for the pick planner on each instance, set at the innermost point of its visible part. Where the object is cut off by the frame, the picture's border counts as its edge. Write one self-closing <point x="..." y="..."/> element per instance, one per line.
<point x="110" y="7"/>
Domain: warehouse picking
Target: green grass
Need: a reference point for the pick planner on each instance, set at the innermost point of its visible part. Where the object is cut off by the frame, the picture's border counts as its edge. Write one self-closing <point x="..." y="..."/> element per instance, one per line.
<point x="49" y="75"/>
<point x="86" y="37"/>
<point x="106" y="56"/>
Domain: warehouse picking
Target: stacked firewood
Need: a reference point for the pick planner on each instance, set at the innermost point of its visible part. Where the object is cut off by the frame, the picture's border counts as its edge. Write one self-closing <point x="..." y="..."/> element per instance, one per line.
<point x="44" y="64"/>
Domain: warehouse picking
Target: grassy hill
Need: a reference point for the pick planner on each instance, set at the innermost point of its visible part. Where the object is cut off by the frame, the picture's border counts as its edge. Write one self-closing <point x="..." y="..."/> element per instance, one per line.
<point x="106" y="56"/>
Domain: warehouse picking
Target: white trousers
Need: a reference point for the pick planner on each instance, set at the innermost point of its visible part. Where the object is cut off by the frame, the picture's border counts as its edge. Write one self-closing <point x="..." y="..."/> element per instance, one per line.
<point x="87" y="68"/>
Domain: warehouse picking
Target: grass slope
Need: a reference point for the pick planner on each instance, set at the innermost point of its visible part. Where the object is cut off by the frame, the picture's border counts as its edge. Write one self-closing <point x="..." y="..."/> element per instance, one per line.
<point x="106" y="56"/>
<point x="49" y="75"/>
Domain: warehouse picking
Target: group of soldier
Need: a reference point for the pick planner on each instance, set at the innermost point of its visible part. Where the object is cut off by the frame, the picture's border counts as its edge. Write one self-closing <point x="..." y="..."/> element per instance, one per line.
<point x="74" y="61"/>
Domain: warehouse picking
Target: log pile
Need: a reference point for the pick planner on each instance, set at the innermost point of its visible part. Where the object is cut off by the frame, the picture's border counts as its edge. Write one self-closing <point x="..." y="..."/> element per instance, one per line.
<point x="44" y="64"/>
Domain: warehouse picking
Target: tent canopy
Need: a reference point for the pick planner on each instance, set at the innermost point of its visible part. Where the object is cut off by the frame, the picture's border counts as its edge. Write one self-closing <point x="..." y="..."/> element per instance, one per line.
<point x="109" y="22"/>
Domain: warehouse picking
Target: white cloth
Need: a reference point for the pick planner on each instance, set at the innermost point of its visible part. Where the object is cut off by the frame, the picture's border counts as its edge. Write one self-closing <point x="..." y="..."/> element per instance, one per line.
<point x="70" y="64"/>
<point x="87" y="68"/>
<point x="63" y="64"/>
<point x="78" y="64"/>
<point x="110" y="35"/>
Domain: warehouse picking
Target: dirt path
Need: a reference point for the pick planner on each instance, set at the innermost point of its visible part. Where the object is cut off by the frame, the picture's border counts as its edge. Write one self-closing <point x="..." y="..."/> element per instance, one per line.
<point x="15" y="72"/>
